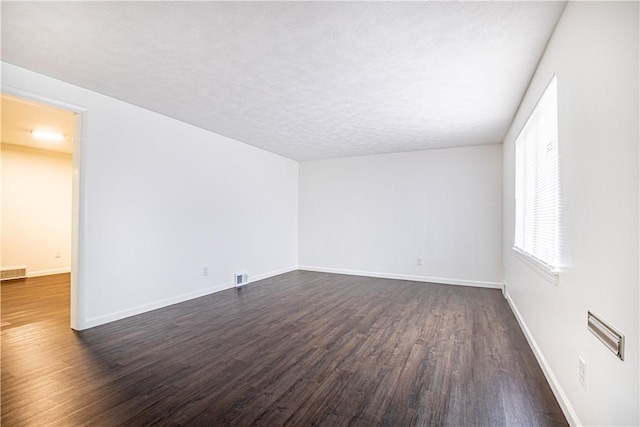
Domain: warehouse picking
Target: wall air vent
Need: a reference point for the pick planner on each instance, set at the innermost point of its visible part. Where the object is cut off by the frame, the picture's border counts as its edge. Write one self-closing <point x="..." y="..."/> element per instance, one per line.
<point x="241" y="279"/>
<point x="10" y="273"/>
<point x="611" y="338"/>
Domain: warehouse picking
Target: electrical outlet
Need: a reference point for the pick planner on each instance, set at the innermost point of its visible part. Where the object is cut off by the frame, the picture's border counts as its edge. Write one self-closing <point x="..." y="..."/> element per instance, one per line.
<point x="582" y="372"/>
<point x="58" y="254"/>
<point x="418" y="261"/>
<point x="205" y="271"/>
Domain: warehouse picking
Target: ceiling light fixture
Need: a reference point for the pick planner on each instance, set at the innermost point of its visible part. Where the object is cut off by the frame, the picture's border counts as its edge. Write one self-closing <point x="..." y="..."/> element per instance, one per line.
<point x="45" y="134"/>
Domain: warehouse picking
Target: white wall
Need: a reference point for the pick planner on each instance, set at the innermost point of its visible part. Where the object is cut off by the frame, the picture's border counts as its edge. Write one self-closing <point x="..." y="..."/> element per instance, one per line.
<point x="36" y="210"/>
<point x="374" y="215"/>
<point x="594" y="52"/>
<point x="160" y="199"/>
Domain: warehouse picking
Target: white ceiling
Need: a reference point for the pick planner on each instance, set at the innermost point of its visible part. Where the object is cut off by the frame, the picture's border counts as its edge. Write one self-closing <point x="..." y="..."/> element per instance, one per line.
<point x="306" y="80"/>
<point x="20" y="117"/>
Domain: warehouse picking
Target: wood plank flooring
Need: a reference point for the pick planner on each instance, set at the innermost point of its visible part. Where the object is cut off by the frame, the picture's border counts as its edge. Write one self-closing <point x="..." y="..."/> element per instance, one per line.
<point x="298" y="349"/>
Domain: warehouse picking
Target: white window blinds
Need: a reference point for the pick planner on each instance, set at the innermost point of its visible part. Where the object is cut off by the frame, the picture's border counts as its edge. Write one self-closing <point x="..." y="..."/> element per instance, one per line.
<point x="537" y="207"/>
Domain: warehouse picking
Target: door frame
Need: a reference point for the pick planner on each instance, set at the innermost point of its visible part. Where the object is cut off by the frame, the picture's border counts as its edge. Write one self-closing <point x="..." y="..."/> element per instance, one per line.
<point x="77" y="307"/>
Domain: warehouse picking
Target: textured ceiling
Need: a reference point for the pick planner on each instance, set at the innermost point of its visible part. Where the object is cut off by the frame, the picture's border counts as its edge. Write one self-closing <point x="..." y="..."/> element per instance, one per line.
<point x="19" y="118"/>
<point x="306" y="80"/>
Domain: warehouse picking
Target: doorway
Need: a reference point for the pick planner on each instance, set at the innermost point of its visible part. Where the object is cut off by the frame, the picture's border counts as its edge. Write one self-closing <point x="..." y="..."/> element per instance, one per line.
<point x="40" y="191"/>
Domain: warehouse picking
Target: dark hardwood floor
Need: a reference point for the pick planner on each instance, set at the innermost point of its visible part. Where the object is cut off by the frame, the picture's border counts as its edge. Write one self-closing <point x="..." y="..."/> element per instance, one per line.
<point x="302" y="348"/>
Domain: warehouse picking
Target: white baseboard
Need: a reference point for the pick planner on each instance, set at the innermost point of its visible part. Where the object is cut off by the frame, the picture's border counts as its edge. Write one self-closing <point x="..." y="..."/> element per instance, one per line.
<point x="441" y="280"/>
<point x="40" y="273"/>
<point x="121" y="314"/>
<point x="118" y="315"/>
<point x="272" y="273"/>
<point x="566" y="406"/>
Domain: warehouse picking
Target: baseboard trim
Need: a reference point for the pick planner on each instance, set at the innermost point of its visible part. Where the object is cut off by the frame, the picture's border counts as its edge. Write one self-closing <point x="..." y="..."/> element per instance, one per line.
<point x="564" y="402"/>
<point x="40" y="273"/>
<point x="133" y="311"/>
<point x="441" y="280"/>
<point x="263" y="276"/>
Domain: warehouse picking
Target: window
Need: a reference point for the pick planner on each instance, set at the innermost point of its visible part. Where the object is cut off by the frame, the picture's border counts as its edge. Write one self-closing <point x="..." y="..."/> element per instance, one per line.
<point x="537" y="207"/>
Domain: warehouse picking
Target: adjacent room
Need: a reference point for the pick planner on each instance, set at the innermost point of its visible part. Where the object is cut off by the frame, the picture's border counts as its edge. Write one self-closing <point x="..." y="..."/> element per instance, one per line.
<point x="36" y="192"/>
<point x="320" y="213"/>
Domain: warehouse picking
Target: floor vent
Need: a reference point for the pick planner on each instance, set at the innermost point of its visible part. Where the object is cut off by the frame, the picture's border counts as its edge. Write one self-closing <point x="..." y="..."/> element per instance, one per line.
<point x="13" y="273"/>
<point x="241" y="279"/>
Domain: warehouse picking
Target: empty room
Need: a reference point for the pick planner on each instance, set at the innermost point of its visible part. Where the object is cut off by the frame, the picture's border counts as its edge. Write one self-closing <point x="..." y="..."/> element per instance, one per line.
<point x="320" y="213"/>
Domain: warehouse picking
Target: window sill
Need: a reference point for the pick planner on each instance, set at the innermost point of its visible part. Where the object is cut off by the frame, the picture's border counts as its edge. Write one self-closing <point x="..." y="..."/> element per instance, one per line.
<point x="539" y="267"/>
